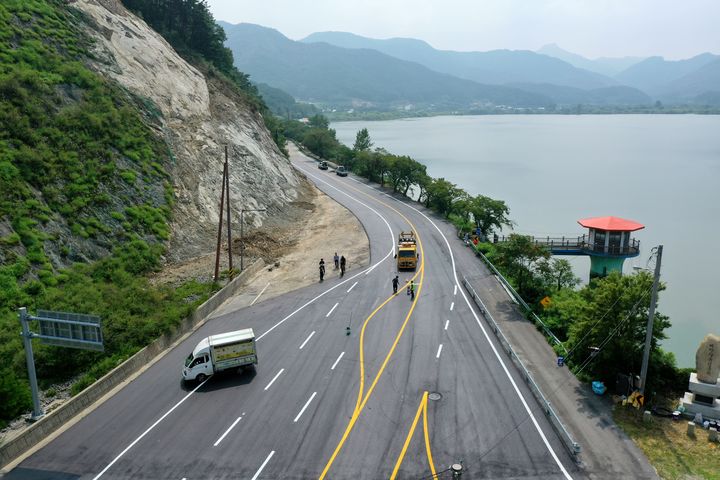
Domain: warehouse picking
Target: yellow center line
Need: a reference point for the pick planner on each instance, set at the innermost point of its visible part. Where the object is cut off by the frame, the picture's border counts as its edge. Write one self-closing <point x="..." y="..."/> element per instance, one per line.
<point x="359" y="408"/>
<point x="427" y="436"/>
<point x="421" y="409"/>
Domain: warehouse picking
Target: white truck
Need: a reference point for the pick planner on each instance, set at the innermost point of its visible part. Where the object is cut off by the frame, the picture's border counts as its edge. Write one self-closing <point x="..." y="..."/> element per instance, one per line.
<point x="221" y="352"/>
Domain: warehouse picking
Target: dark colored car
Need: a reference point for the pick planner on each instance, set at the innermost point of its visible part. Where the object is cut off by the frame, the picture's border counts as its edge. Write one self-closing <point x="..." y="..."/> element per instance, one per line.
<point x="341" y="171"/>
<point x="323" y="165"/>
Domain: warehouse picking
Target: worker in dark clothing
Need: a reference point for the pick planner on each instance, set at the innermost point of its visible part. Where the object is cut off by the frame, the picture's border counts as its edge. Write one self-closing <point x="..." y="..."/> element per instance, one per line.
<point x="342" y="265"/>
<point x="395" y="282"/>
<point x="322" y="269"/>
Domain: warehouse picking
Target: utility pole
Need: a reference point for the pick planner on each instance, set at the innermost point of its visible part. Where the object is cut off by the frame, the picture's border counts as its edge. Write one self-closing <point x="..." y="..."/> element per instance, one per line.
<point x="227" y="186"/>
<point x="651" y="318"/>
<point x="220" y="225"/>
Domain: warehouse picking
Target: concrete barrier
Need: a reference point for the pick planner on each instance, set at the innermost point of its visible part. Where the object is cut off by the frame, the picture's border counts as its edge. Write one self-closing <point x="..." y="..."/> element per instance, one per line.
<point x="56" y="419"/>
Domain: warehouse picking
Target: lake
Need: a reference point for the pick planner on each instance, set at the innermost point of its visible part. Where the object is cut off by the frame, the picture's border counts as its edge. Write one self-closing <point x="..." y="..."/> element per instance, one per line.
<point x="660" y="170"/>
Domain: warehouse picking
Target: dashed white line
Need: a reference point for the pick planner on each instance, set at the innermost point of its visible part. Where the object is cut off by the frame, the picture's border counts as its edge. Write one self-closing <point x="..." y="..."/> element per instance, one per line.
<point x="226" y="432"/>
<point x="452" y="305"/>
<point x="447" y="322"/>
<point x="257" y="474"/>
<point x="455" y="290"/>
<point x="336" y="361"/>
<point x="331" y="310"/>
<point x="306" y="340"/>
<point x="261" y="292"/>
<point x="439" y="350"/>
<point x="303" y="408"/>
<point x="353" y="286"/>
<point x="275" y="378"/>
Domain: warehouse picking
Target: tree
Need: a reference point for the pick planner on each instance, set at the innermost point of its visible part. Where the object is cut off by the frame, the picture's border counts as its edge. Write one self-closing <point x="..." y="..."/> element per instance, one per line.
<point x="489" y="214"/>
<point x="518" y="257"/>
<point x="441" y="195"/>
<point x="320" y="141"/>
<point x="362" y="141"/>
<point x="319" y="121"/>
<point x="557" y="274"/>
<point x="613" y="318"/>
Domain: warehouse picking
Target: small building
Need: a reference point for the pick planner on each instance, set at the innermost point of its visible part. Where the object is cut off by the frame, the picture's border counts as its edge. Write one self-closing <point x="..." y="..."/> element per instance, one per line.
<point x="609" y="243"/>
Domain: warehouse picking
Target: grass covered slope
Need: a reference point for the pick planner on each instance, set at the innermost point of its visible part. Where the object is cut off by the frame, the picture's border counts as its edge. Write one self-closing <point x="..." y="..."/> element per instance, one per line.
<point x="84" y="201"/>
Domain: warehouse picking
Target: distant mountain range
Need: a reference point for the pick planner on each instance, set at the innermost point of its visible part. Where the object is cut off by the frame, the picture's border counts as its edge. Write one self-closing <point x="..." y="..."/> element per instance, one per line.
<point x="339" y="69"/>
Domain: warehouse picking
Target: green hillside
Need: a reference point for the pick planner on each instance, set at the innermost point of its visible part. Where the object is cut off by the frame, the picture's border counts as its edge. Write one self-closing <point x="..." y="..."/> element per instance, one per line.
<point x="85" y="201"/>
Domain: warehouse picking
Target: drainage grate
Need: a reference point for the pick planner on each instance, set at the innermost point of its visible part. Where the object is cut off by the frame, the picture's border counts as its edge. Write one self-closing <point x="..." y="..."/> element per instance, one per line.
<point x="435" y="396"/>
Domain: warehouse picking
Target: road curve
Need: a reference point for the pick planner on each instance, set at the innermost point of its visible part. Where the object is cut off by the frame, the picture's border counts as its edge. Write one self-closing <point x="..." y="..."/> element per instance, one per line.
<point x="417" y="385"/>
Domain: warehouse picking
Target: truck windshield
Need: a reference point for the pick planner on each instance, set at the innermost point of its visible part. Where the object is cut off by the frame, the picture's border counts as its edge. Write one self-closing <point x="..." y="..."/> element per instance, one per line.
<point x="406" y="253"/>
<point x="188" y="360"/>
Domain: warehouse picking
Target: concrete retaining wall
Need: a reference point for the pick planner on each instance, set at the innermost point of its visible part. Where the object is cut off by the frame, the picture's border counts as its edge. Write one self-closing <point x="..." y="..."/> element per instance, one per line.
<point x="51" y="422"/>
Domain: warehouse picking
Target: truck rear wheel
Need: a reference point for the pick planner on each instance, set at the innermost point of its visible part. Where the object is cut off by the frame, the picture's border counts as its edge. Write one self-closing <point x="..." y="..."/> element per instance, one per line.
<point x="201" y="377"/>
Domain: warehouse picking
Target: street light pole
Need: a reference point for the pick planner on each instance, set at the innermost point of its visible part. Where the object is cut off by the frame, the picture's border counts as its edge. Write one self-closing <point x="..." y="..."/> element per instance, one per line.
<point x="242" y="231"/>
<point x="651" y="318"/>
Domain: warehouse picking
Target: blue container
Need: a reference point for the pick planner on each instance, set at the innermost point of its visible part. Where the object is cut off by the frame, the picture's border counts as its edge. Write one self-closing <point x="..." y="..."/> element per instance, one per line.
<point x="598" y="388"/>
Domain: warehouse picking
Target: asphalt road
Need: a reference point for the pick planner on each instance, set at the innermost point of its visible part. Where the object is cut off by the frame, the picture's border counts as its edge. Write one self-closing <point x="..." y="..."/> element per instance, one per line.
<point x="416" y="386"/>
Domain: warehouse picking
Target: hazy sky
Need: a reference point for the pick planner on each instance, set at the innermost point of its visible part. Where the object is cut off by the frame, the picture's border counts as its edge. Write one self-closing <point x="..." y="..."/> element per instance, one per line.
<point x="671" y="28"/>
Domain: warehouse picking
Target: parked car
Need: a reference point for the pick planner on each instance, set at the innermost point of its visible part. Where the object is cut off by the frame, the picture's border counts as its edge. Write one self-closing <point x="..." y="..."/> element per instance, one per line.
<point x="323" y="165"/>
<point x="341" y="171"/>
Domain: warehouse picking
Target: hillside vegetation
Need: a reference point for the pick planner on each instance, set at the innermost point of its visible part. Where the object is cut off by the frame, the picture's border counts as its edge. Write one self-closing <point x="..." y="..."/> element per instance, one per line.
<point x="85" y="201"/>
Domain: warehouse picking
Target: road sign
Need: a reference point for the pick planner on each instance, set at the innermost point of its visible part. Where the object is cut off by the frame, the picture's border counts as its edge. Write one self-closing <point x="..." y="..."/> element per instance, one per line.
<point x="74" y="330"/>
<point x="545" y="302"/>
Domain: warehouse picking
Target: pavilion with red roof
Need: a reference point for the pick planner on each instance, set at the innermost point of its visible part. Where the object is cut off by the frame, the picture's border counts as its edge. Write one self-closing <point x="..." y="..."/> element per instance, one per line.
<point x="608" y="243"/>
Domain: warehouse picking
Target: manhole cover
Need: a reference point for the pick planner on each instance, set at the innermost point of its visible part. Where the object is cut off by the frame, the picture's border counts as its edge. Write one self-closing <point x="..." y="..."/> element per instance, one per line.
<point x="435" y="396"/>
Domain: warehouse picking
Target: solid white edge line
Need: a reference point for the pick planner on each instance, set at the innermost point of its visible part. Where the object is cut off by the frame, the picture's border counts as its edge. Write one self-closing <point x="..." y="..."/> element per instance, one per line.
<point x="257" y="474"/>
<point x="439" y="350"/>
<point x="307" y="339"/>
<point x="336" y="361"/>
<point x="258" y="295"/>
<point x="226" y="432"/>
<point x="492" y="346"/>
<point x="452" y="305"/>
<point x="447" y="322"/>
<point x="332" y="310"/>
<point x="274" y="378"/>
<point x="146" y="432"/>
<point x="353" y="286"/>
<point x="304" y="407"/>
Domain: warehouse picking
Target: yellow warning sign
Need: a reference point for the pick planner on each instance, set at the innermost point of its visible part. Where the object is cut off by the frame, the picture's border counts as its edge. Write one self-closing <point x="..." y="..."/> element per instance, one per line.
<point x="545" y="302"/>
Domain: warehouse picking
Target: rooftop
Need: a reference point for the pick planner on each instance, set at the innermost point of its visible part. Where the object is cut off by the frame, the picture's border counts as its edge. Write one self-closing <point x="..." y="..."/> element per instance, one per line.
<point x="614" y="224"/>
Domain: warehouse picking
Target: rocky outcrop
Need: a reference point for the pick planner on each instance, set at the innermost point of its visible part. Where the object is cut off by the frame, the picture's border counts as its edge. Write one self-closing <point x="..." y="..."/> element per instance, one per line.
<point x="199" y="117"/>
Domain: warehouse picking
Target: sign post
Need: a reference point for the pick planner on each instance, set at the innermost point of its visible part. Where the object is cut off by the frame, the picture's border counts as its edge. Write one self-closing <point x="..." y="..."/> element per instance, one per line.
<point x="73" y="330"/>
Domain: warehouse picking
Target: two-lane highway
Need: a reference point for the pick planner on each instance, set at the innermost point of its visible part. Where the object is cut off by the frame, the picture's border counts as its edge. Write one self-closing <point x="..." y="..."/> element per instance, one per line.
<point x="416" y="386"/>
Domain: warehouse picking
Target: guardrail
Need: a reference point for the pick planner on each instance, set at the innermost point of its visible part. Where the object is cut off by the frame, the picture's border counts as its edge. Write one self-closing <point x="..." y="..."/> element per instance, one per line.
<point x="520" y="300"/>
<point x="568" y="442"/>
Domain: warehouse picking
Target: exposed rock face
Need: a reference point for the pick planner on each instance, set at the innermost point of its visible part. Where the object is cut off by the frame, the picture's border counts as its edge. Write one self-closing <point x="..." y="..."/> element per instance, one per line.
<point x="199" y="118"/>
<point x="707" y="359"/>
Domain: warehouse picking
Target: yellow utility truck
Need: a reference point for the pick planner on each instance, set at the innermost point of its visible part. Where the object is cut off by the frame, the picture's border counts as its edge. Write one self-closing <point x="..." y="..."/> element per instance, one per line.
<point x="407" y="255"/>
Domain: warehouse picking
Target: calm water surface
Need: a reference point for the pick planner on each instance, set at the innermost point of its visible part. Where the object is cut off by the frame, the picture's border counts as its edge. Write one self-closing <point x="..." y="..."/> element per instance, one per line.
<point x="660" y="170"/>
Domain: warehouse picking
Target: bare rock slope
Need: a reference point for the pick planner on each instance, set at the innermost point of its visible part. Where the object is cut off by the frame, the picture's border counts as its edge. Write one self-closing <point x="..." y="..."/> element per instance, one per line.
<point x="199" y="116"/>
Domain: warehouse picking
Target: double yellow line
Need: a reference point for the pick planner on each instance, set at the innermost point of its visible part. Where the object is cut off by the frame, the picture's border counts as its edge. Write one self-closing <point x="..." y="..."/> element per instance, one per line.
<point x="363" y="397"/>
<point x="422" y="408"/>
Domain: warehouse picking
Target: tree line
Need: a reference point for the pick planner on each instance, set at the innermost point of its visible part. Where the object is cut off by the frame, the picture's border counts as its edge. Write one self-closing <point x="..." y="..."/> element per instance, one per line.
<point x="400" y="173"/>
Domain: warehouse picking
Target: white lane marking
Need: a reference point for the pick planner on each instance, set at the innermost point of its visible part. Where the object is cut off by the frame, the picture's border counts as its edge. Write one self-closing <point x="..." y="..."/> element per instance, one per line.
<point x="303" y="408"/>
<point x="390" y="252"/>
<point x="439" y="350"/>
<point x="492" y="346"/>
<point x="146" y="432"/>
<point x="452" y="305"/>
<point x="226" y="432"/>
<point x="332" y="310"/>
<point x="447" y="322"/>
<point x="336" y="361"/>
<point x="258" y="295"/>
<point x="257" y="474"/>
<point x="353" y="286"/>
<point x="274" y="378"/>
<point x="455" y="290"/>
<point x="307" y="339"/>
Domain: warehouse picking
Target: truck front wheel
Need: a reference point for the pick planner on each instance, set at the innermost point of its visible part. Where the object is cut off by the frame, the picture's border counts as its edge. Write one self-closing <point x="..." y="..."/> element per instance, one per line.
<point x="201" y="377"/>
